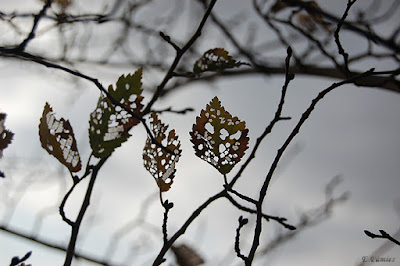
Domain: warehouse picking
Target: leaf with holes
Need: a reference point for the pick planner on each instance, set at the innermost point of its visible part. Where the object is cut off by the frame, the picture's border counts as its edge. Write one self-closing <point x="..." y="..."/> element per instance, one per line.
<point x="217" y="59"/>
<point x="57" y="138"/>
<point x="109" y="124"/>
<point x="5" y="135"/>
<point x="218" y="138"/>
<point x="158" y="161"/>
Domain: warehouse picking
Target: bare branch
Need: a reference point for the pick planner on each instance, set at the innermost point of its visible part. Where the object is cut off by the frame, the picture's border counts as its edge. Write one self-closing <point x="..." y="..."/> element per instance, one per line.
<point x="336" y="34"/>
<point x="382" y="235"/>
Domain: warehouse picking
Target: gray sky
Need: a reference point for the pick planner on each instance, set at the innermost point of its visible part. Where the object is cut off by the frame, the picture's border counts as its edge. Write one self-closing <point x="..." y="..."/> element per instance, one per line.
<point x="353" y="133"/>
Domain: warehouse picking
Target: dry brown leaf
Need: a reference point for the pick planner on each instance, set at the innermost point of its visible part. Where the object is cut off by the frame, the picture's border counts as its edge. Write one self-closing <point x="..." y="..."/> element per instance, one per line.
<point x="311" y="21"/>
<point x="218" y="138"/>
<point x="159" y="162"/>
<point x="186" y="256"/>
<point x="217" y="59"/>
<point x="57" y="138"/>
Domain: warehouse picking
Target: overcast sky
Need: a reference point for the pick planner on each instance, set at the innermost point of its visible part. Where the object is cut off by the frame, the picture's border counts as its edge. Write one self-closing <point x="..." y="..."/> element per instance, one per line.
<point x="352" y="133"/>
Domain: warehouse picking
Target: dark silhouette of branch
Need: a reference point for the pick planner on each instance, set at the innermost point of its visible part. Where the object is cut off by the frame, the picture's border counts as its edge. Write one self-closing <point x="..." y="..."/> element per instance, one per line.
<point x="382" y="235"/>
<point x="303" y="119"/>
<point x="309" y="218"/>
<point x="24" y="43"/>
<point x="317" y="59"/>
<point x="167" y="207"/>
<point x="170" y="110"/>
<point x="242" y="222"/>
<point x="387" y="245"/>
<point x="280" y="220"/>
<point x="51" y="245"/>
<point x="336" y="34"/>
<point x="179" y="53"/>
<point x="388" y="43"/>
<point x="16" y="260"/>
<point x="75" y="226"/>
<point x="223" y="193"/>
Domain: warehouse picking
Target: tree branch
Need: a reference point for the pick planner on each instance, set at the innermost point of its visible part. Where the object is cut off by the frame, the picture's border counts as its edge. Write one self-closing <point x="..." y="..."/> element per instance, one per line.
<point x="388" y="43"/>
<point x="295" y="131"/>
<point x="382" y="235"/>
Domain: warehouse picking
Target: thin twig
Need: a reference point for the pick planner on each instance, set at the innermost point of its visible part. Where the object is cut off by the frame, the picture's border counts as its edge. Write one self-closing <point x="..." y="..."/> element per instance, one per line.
<point x="178" y="56"/>
<point x="160" y="257"/>
<point x="295" y="131"/>
<point x="170" y="110"/>
<point x="167" y="207"/>
<point x="85" y="204"/>
<point x="382" y="235"/>
<point x="31" y="35"/>
<point x="276" y="119"/>
<point x="242" y="222"/>
<point x="388" y="43"/>
<point x="51" y="245"/>
<point x="336" y="34"/>
<point x="280" y="220"/>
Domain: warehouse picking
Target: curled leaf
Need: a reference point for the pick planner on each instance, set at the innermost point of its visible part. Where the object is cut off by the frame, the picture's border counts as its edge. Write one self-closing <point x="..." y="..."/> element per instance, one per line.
<point x="216" y="59"/>
<point x="109" y="124"/>
<point x="159" y="162"/>
<point x="5" y="135"/>
<point x="218" y="138"/>
<point x="57" y="138"/>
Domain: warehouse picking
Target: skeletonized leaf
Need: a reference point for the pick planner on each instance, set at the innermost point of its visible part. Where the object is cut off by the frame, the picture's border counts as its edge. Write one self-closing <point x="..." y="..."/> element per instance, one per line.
<point x="218" y="138"/>
<point x="5" y="135"/>
<point x="160" y="163"/>
<point x="57" y="138"/>
<point x="109" y="124"/>
<point x="216" y="59"/>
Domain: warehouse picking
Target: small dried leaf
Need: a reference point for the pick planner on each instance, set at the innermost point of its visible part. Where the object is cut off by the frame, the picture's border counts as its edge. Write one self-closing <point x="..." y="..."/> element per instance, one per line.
<point x="63" y="4"/>
<point x="306" y="21"/>
<point x="57" y="138"/>
<point x="160" y="163"/>
<point x="278" y="6"/>
<point x="311" y="21"/>
<point x="109" y="124"/>
<point x="218" y="138"/>
<point x="186" y="256"/>
<point x="216" y="59"/>
<point x="5" y="135"/>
